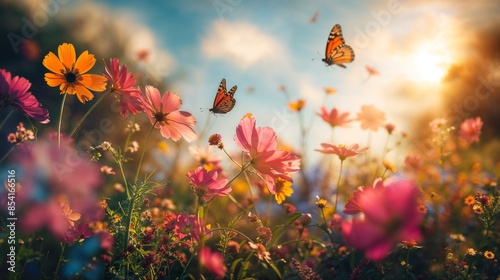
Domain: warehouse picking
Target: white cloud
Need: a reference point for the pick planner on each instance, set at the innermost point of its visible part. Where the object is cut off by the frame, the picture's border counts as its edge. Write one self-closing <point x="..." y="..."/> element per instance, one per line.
<point x="241" y="43"/>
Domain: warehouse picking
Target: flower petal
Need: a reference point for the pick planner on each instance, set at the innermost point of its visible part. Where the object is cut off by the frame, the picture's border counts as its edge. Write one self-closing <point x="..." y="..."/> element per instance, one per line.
<point x="53" y="63"/>
<point x="84" y="62"/>
<point x="170" y="102"/>
<point x="54" y="80"/>
<point x="93" y="81"/>
<point x="83" y="93"/>
<point x="67" y="55"/>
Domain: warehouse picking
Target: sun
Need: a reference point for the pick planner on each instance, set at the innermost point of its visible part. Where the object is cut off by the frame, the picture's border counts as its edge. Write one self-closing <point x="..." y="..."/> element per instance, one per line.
<point x="431" y="62"/>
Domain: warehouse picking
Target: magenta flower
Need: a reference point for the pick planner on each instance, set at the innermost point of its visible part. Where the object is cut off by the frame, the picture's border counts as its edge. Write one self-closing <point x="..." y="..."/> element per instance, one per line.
<point x="260" y="145"/>
<point x="14" y="92"/>
<point x="342" y="151"/>
<point x="206" y="185"/>
<point x="123" y="84"/>
<point x="213" y="262"/>
<point x="470" y="129"/>
<point x="391" y="215"/>
<point x="353" y="207"/>
<point x="334" y="117"/>
<point x="189" y="226"/>
<point x="163" y="113"/>
<point x="51" y="178"/>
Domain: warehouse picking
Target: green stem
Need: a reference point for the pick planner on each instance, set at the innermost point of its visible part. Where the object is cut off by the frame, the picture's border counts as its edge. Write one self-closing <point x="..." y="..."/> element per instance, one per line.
<point x="59" y="262"/>
<point x="60" y="121"/>
<point x="143" y="152"/>
<point x="6" y="118"/>
<point x="251" y="194"/>
<point x="338" y="188"/>
<point x="88" y="112"/>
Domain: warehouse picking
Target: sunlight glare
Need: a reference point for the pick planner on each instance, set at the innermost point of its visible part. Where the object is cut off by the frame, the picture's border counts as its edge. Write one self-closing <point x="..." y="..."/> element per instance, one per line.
<point x="431" y="63"/>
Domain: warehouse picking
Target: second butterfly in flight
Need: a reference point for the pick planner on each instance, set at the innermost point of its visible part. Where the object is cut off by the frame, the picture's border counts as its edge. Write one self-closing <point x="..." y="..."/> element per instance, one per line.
<point x="337" y="52"/>
<point x="224" y="101"/>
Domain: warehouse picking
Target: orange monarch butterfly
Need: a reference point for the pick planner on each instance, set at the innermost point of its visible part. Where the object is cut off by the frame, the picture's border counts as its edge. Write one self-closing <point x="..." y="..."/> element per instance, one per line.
<point x="224" y="101"/>
<point x="337" y="52"/>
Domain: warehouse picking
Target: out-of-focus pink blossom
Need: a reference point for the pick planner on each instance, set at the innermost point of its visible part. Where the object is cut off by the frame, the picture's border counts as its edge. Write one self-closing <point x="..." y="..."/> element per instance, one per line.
<point x="370" y="117"/>
<point x="51" y="178"/>
<point x="391" y="215"/>
<point x="470" y="130"/>
<point x="342" y="151"/>
<point x="334" y="117"/>
<point x="212" y="262"/>
<point x="353" y="207"/>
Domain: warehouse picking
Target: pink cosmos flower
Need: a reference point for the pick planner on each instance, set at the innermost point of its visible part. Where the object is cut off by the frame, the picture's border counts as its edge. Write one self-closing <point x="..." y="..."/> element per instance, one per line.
<point x="14" y="92"/>
<point x="81" y="231"/>
<point x="206" y="185"/>
<point x="206" y="158"/>
<point x="390" y="215"/>
<point x="259" y="144"/>
<point x="189" y="226"/>
<point x="212" y="262"/>
<point x="353" y="207"/>
<point x="163" y="113"/>
<point x="370" y="117"/>
<point x="437" y="124"/>
<point x="470" y="129"/>
<point x="342" y="151"/>
<point x="123" y="84"/>
<point x="334" y="117"/>
<point x="51" y="178"/>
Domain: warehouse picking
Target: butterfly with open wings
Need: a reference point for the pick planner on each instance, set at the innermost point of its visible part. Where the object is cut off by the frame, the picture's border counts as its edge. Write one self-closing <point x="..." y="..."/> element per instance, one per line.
<point x="224" y="101"/>
<point x="337" y="52"/>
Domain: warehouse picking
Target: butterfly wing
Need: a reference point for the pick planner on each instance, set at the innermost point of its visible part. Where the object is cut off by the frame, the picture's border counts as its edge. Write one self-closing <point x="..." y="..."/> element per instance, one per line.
<point x="342" y="54"/>
<point x="337" y="52"/>
<point x="224" y="101"/>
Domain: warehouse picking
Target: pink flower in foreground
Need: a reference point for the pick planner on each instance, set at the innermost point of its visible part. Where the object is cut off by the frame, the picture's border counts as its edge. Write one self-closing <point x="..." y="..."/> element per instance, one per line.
<point x="470" y="129"/>
<point x="14" y="92"/>
<point x="212" y="262"/>
<point x="260" y="145"/>
<point x="391" y="215"/>
<point x="334" y="117"/>
<point x="163" y="113"/>
<point x="51" y="178"/>
<point x="371" y="117"/>
<point x="353" y="207"/>
<point x="342" y="151"/>
<point x="206" y="185"/>
<point x="123" y="84"/>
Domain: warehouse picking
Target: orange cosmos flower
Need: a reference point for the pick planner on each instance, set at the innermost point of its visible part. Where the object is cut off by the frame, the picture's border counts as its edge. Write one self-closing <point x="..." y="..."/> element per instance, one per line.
<point x="296" y="105"/>
<point x="371" y="117"/>
<point x="69" y="73"/>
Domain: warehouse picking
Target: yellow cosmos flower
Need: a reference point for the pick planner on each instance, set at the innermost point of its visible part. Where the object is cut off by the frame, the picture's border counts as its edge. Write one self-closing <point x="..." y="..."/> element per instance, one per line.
<point x="283" y="189"/>
<point x="296" y="106"/>
<point x="489" y="255"/>
<point x="69" y="73"/>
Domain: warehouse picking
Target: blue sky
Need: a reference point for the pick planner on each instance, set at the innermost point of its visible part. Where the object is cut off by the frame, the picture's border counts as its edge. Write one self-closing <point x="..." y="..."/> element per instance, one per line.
<point x="265" y="44"/>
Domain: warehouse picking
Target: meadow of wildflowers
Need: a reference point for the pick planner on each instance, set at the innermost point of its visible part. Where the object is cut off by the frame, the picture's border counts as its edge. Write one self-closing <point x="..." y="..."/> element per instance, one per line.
<point x="236" y="210"/>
